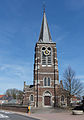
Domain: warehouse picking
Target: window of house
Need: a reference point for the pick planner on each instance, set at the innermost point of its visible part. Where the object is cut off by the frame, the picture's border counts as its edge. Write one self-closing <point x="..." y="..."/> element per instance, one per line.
<point x="46" y="81"/>
<point x="31" y="98"/>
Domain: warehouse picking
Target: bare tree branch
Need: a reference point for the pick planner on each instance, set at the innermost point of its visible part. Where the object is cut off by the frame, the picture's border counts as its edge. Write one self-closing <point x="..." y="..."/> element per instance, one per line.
<point x="71" y="83"/>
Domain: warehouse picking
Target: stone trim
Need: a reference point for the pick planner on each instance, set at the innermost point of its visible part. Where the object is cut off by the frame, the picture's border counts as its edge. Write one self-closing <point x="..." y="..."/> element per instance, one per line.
<point x="50" y="80"/>
<point x="46" y="87"/>
<point x="45" y="73"/>
<point x="28" y="91"/>
<point x="44" y="96"/>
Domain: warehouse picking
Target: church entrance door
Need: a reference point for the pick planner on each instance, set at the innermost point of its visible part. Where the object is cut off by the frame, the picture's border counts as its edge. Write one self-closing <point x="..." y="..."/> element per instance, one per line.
<point x="47" y="100"/>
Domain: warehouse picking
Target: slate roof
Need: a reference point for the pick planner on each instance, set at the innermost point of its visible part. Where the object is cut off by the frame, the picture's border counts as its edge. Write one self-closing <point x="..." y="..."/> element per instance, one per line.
<point x="45" y="36"/>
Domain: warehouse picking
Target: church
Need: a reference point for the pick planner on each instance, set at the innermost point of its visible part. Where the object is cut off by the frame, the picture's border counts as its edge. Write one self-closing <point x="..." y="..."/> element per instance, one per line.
<point x="46" y="90"/>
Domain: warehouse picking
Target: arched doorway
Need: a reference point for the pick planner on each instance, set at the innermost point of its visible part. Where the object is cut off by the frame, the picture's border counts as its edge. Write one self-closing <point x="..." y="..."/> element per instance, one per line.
<point x="47" y="98"/>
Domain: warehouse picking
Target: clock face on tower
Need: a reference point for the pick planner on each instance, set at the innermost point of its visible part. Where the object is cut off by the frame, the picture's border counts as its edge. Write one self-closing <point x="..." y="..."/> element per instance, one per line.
<point x="46" y="52"/>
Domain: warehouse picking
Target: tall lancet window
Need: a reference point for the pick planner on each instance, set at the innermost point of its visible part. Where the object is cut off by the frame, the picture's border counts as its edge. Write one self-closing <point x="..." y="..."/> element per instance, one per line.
<point x="47" y="81"/>
<point x="49" y="56"/>
<point x="46" y="56"/>
<point x="43" y="56"/>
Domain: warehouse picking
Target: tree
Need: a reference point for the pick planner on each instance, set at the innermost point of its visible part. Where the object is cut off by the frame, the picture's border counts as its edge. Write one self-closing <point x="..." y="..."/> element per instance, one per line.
<point x="71" y="83"/>
<point x="14" y="93"/>
<point x="20" y="95"/>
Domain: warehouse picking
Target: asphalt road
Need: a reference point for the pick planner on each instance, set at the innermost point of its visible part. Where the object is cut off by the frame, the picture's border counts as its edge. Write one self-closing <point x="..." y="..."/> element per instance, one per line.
<point x="12" y="116"/>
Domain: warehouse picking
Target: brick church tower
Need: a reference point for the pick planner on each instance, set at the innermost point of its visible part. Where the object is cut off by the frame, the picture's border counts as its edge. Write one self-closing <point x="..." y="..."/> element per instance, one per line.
<point x="46" y="75"/>
<point x="46" y="89"/>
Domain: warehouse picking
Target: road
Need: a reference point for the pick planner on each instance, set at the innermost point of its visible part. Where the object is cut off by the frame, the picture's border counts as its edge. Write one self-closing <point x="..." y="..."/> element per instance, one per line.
<point x="13" y="116"/>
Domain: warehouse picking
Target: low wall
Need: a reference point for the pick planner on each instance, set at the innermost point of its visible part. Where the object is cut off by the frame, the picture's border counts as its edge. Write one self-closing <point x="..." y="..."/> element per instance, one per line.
<point x="18" y="108"/>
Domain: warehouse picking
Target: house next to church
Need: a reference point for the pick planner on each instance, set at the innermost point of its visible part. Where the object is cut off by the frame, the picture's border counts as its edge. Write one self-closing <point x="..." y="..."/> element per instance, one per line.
<point x="46" y="89"/>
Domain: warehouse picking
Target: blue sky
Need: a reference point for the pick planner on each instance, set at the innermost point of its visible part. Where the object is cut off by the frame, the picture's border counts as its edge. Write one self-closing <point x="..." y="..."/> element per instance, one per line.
<point x="20" y="23"/>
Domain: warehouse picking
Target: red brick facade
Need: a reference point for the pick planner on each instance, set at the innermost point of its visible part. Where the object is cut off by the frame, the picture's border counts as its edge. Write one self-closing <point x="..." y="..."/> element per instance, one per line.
<point x="42" y="71"/>
<point x="46" y="89"/>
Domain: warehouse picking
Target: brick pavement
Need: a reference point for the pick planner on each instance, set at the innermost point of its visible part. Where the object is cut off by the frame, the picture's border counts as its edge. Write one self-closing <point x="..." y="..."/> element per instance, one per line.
<point x="58" y="116"/>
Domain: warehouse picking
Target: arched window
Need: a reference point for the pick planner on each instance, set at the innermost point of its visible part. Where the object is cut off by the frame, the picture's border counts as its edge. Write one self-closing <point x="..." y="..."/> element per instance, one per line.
<point x="49" y="56"/>
<point x="47" y="93"/>
<point x="46" y="56"/>
<point x="43" y="56"/>
<point x="62" y="98"/>
<point x="46" y="81"/>
<point x="31" y="98"/>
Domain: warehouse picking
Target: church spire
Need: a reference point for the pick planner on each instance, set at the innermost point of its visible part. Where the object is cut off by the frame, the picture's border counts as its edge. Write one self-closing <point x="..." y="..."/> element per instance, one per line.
<point x="45" y="36"/>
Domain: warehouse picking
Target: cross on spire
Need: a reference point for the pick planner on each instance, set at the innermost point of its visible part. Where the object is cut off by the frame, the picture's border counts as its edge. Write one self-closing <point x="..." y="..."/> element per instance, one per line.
<point x="44" y="8"/>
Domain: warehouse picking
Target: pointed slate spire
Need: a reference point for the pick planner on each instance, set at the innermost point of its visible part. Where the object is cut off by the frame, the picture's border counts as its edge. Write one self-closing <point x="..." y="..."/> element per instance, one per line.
<point x="45" y="36"/>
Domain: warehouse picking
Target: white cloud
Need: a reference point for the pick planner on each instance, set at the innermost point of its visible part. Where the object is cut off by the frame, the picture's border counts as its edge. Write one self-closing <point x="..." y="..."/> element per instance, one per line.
<point x="17" y="70"/>
<point x="13" y="75"/>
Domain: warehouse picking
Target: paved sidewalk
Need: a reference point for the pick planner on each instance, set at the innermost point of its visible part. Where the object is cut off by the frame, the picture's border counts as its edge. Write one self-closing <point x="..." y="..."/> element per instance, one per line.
<point x="58" y="116"/>
<point x="53" y="116"/>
